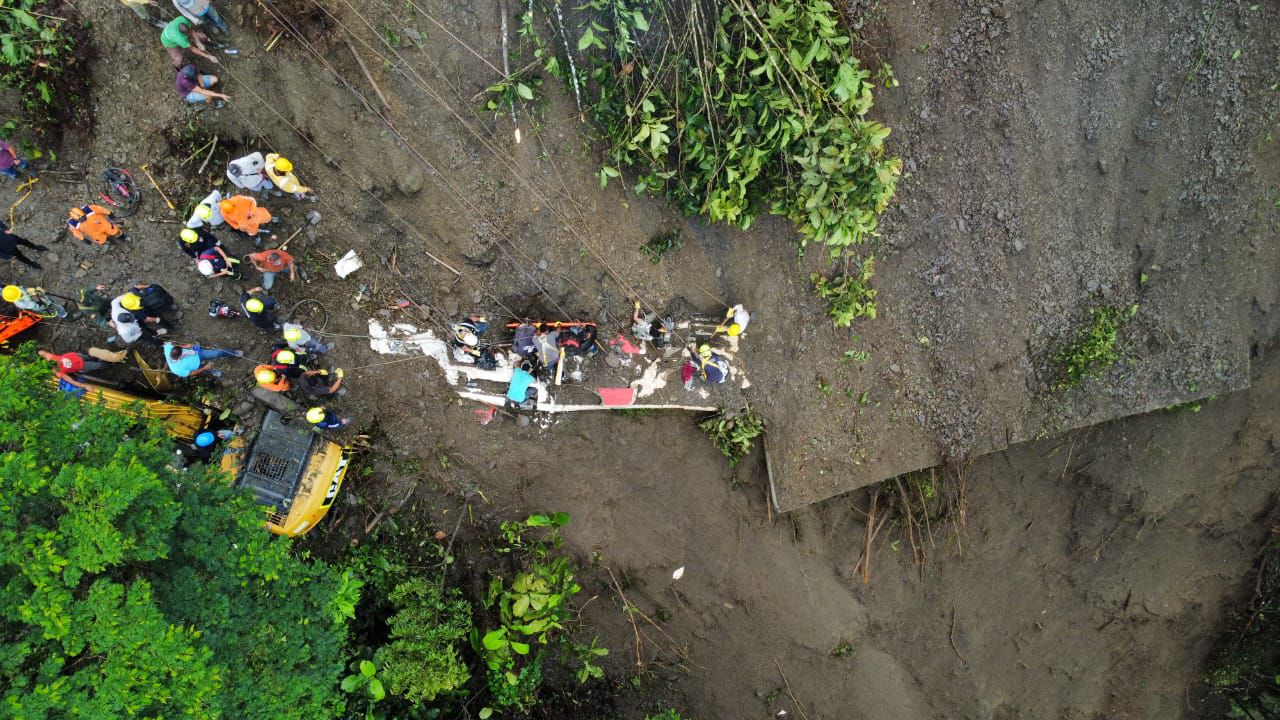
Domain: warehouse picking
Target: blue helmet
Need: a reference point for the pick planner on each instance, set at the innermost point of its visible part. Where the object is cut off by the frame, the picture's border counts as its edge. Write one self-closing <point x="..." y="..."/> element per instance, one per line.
<point x="204" y="439"/>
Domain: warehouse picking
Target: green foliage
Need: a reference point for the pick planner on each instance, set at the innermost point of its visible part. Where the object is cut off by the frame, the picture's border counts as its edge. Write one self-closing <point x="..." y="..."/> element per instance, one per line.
<point x="736" y="110"/>
<point x="134" y="589"/>
<point x="38" y="58"/>
<point x="666" y="715"/>
<point x="1093" y="348"/>
<point x="848" y="296"/>
<point x="364" y="682"/>
<point x="532" y="609"/>
<point x="733" y="433"/>
<point x="661" y="244"/>
<point x="1245" y="669"/>
<point x="421" y="660"/>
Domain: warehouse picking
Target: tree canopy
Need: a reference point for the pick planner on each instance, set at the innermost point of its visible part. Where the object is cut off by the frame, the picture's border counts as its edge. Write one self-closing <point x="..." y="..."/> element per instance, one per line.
<point x="129" y="588"/>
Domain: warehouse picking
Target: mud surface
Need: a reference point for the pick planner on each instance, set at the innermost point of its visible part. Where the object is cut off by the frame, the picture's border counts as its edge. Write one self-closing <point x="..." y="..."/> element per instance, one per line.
<point x="1056" y="153"/>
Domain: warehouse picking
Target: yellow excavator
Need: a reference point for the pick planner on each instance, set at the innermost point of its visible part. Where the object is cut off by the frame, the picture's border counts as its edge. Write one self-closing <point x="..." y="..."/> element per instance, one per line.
<point x="294" y="473"/>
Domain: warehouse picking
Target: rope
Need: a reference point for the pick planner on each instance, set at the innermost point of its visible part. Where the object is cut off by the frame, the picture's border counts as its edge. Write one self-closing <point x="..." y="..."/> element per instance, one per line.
<point x="462" y="197"/>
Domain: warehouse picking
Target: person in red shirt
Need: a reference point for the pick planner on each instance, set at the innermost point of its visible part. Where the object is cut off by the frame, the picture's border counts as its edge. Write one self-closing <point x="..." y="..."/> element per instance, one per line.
<point x="271" y="263"/>
<point x="71" y="363"/>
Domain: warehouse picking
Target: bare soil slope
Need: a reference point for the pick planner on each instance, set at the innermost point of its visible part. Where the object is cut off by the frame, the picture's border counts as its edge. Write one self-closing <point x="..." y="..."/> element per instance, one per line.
<point x="1091" y="568"/>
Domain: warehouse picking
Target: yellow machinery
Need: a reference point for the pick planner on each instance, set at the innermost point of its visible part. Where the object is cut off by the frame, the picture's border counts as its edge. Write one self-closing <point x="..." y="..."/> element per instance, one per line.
<point x="291" y="470"/>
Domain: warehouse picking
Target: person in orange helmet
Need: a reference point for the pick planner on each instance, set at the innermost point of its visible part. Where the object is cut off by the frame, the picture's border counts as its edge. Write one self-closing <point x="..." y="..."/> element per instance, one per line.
<point x="91" y="223"/>
<point x="242" y="213"/>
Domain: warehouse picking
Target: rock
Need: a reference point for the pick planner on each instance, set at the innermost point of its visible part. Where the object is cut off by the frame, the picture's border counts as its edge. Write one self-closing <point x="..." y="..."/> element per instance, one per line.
<point x="410" y="183"/>
<point x="412" y="34"/>
<point x="81" y="273"/>
<point x="313" y="217"/>
<point x="451" y="306"/>
<point x="50" y="258"/>
<point x="522" y="420"/>
<point x="895" y="368"/>
<point x="1092" y="286"/>
<point x="543" y="264"/>
<point x="1019" y="245"/>
<point x="1102" y="166"/>
<point x="911" y="165"/>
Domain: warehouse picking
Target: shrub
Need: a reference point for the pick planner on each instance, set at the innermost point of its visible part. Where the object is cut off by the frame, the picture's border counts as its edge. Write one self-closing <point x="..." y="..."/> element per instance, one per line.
<point x="421" y="660"/>
<point x="1093" y="348"/>
<point x="733" y="433"/>
<point x="136" y="590"/>
<point x="43" y="49"/>
<point x="848" y="297"/>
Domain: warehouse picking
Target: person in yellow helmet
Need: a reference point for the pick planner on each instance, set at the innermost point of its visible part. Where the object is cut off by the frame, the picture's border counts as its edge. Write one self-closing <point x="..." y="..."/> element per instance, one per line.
<point x="208" y="212"/>
<point x="326" y="419"/>
<point x="269" y="379"/>
<point x="260" y="308"/>
<point x="280" y="171"/>
<point x="705" y="364"/>
<point x="34" y="300"/>
<point x="735" y="321"/>
<point x="194" y="241"/>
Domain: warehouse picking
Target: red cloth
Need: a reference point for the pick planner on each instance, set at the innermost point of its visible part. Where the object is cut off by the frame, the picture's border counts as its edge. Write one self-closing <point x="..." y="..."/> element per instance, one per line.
<point x="617" y="397"/>
<point x="70" y="363"/>
<point x="686" y="372"/>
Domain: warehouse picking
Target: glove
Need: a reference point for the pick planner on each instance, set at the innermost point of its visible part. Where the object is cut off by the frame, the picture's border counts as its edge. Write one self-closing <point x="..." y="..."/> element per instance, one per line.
<point x="339" y="373"/>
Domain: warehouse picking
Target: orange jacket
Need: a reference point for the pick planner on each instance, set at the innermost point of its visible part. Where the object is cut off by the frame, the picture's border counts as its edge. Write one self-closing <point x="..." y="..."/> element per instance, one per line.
<point x="242" y="213"/>
<point x="91" y="223"/>
<point x="280" y="385"/>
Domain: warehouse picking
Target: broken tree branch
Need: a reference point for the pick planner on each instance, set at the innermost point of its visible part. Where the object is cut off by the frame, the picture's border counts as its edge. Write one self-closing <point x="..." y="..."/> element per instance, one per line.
<point x="368" y="75"/>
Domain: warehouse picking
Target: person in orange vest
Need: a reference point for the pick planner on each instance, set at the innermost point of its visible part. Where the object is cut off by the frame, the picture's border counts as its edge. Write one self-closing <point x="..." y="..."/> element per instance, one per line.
<point x="269" y="379"/>
<point x="242" y="213"/>
<point x="91" y="223"/>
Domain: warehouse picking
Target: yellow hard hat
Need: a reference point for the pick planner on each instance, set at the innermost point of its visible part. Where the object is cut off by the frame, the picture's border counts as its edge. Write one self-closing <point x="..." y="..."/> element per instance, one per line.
<point x="189" y="235"/>
<point x="265" y="376"/>
<point x="131" y="301"/>
<point x="253" y="305"/>
<point x="286" y="357"/>
<point x="12" y="293"/>
<point x="292" y="334"/>
<point x="704" y="350"/>
<point x="283" y="165"/>
<point x="735" y="330"/>
<point x="315" y="414"/>
<point x="204" y="212"/>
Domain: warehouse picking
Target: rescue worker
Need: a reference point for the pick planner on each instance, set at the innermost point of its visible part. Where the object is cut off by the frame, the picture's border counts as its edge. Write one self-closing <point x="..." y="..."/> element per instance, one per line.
<point x="71" y="363"/>
<point x="194" y="241"/>
<point x="466" y="339"/>
<point x="288" y="363"/>
<point x="33" y="299"/>
<point x="200" y="450"/>
<point x="181" y="34"/>
<point x="94" y="304"/>
<point x="708" y="366"/>
<point x="199" y="11"/>
<point x="317" y="383"/>
<point x="261" y="311"/>
<point x="242" y="213"/>
<point x="156" y="301"/>
<point x="9" y="248"/>
<point x="280" y="171"/>
<point x="300" y="340"/>
<point x="648" y="328"/>
<point x="131" y="303"/>
<point x="269" y="379"/>
<point x="249" y="173"/>
<point x="207" y="212"/>
<point x="91" y="224"/>
<point x="324" y="419"/>
<point x="215" y="262"/>
<point x="271" y="263"/>
<point x="735" y="321"/>
<point x="188" y="360"/>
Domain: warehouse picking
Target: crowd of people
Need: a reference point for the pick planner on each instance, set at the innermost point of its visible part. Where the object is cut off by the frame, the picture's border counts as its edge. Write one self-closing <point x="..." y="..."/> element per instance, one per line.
<point x="146" y="313"/>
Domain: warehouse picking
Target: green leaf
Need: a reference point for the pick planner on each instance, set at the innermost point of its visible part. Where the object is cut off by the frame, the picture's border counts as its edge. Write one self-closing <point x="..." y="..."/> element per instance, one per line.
<point x="367" y="668"/>
<point x="351" y="682"/>
<point x="524" y="91"/>
<point x="520" y="606"/>
<point x="485" y="713"/>
<point x="376" y="691"/>
<point x="587" y="38"/>
<point x="519" y="648"/>
<point x="494" y="639"/>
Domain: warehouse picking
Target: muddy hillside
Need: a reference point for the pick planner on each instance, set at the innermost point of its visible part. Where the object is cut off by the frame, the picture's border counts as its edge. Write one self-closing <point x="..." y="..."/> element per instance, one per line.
<point x="1042" y="553"/>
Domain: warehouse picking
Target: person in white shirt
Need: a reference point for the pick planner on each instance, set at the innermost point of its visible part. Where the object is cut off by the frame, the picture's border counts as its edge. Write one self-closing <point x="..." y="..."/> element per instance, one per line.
<point x="207" y="212"/>
<point x="735" y="321"/>
<point x="200" y="10"/>
<point x="249" y="173"/>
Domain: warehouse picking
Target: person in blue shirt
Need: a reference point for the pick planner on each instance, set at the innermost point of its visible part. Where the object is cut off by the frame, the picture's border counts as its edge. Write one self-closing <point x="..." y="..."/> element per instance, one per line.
<point x="324" y="419"/>
<point x="188" y="360"/>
